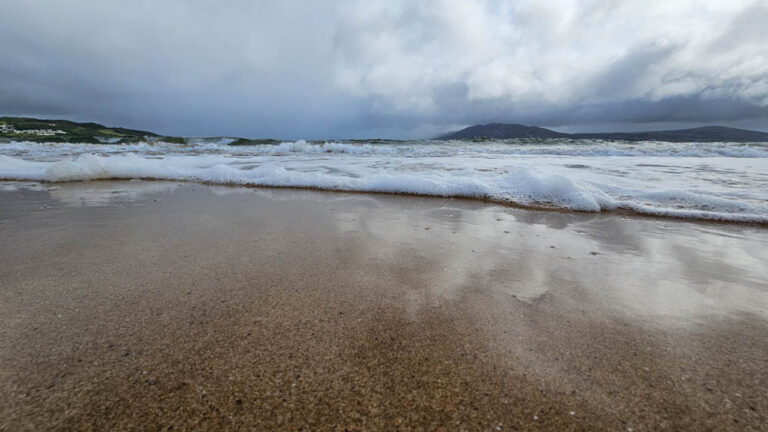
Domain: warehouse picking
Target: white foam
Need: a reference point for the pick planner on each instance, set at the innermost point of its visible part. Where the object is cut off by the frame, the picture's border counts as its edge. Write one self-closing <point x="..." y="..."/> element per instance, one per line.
<point x="302" y="146"/>
<point x="714" y="187"/>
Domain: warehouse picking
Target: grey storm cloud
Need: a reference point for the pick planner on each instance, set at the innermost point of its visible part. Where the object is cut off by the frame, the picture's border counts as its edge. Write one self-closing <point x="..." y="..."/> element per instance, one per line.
<point x="397" y="68"/>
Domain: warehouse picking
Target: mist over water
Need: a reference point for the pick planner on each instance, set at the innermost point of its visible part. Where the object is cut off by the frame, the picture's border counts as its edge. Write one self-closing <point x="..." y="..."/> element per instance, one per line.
<point x="713" y="181"/>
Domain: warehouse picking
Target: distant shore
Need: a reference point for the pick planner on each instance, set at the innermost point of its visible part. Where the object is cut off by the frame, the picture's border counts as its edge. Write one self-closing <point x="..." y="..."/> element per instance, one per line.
<point x="699" y="134"/>
<point x="65" y="131"/>
<point x="140" y="305"/>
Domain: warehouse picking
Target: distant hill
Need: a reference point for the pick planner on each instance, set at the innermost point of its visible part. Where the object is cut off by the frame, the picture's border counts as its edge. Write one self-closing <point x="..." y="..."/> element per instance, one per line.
<point x="31" y="129"/>
<point x="706" y="133"/>
<point x="42" y="130"/>
<point x="501" y="131"/>
<point x="701" y="134"/>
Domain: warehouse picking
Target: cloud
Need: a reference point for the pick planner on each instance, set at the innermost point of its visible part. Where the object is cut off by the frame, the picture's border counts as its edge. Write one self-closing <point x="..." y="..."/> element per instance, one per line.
<point x="398" y="68"/>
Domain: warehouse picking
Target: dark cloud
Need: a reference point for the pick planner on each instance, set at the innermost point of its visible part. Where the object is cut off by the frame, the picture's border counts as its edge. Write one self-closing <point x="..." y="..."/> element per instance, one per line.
<point x="364" y="68"/>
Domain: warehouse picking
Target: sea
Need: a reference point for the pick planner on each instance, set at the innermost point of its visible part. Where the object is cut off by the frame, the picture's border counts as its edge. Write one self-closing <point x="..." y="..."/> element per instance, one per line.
<point x="706" y="181"/>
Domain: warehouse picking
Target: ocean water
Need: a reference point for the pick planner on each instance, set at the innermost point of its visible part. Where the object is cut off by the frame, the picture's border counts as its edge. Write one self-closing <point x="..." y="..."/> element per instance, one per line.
<point x="712" y="181"/>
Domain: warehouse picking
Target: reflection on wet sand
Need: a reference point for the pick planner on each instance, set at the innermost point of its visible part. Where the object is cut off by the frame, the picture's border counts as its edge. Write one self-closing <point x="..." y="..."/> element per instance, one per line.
<point x="201" y="307"/>
<point x="646" y="269"/>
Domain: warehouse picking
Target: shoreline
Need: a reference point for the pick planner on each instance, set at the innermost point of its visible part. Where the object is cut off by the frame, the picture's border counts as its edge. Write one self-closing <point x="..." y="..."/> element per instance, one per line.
<point x="620" y="211"/>
<point x="136" y="305"/>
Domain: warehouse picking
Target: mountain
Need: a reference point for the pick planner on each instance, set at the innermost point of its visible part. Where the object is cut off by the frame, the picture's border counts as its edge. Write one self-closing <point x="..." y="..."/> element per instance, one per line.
<point x="706" y="133"/>
<point x="31" y="129"/>
<point x="701" y="134"/>
<point x="501" y="131"/>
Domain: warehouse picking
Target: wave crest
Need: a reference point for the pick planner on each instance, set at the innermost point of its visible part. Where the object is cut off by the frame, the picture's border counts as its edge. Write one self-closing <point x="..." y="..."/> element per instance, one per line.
<point x="524" y="186"/>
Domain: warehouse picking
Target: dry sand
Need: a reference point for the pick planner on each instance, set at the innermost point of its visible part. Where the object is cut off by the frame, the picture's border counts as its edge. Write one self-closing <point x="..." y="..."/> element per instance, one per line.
<point x="157" y="306"/>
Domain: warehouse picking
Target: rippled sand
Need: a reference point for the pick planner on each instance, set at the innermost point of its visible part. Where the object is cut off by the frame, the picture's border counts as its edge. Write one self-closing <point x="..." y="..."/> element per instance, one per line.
<point x="149" y="305"/>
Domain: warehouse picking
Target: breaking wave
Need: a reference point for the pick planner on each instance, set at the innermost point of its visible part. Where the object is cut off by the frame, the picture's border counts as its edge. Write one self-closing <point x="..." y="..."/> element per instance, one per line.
<point x="403" y="148"/>
<point x="596" y="177"/>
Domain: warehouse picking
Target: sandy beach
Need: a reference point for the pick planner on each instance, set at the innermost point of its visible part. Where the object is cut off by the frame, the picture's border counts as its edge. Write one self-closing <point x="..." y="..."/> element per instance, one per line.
<point x="164" y="306"/>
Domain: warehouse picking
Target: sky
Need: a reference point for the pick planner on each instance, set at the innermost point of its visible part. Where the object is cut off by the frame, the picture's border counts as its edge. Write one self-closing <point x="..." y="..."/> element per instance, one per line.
<point x="391" y="69"/>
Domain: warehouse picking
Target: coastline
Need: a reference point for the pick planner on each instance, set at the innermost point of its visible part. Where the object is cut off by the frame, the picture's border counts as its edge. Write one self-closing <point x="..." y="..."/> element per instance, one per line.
<point x="136" y="305"/>
<point x="656" y="179"/>
<point x="704" y="218"/>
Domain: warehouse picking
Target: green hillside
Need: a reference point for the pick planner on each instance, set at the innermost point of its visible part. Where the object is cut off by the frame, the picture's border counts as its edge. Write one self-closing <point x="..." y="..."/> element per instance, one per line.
<point x="42" y="130"/>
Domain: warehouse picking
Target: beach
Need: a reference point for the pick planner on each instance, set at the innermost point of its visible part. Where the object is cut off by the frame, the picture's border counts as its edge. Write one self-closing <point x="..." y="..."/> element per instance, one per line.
<point x="147" y="305"/>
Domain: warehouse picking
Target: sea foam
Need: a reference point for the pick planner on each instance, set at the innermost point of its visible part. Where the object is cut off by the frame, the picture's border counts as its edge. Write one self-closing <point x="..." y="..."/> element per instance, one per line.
<point x="715" y="187"/>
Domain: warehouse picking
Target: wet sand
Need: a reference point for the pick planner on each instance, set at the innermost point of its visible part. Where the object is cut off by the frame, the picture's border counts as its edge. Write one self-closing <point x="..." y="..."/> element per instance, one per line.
<point x="157" y="306"/>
